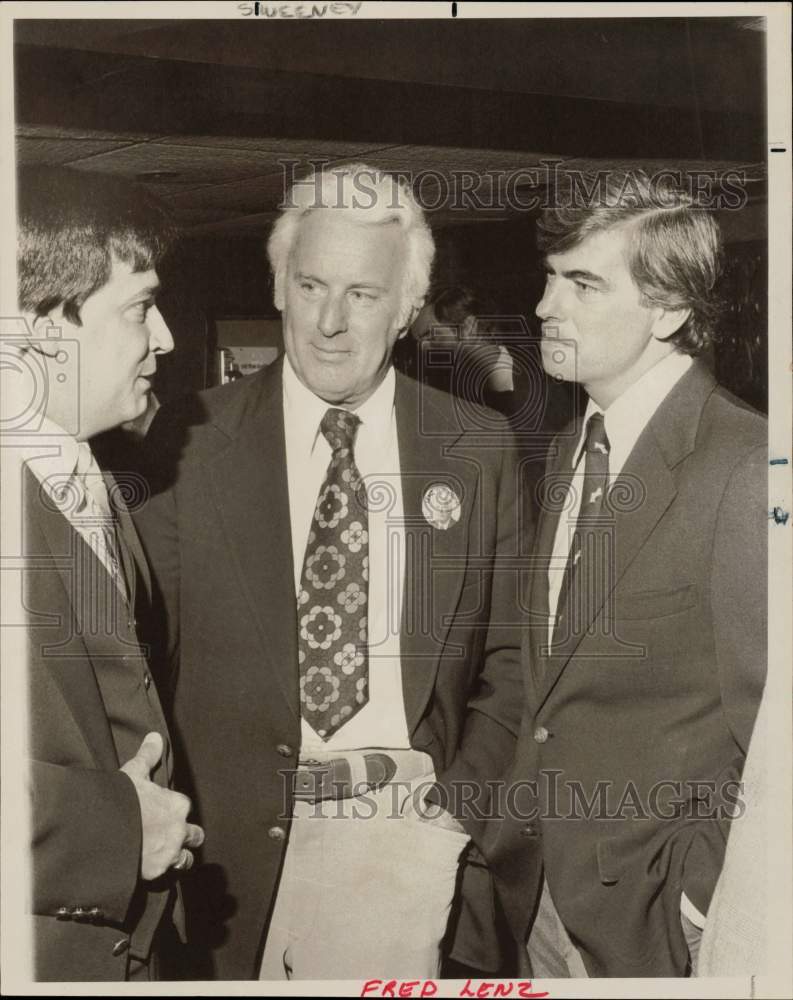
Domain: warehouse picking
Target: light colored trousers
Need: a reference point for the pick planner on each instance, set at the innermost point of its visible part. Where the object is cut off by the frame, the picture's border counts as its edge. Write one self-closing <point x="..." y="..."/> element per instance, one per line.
<point x="366" y="888"/>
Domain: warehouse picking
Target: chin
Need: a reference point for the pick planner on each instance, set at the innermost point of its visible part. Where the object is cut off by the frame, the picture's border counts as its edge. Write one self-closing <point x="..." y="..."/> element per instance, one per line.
<point x="557" y="372"/>
<point x="136" y="411"/>
<point x="326" y="388"/>
<point x="333" y="397"/>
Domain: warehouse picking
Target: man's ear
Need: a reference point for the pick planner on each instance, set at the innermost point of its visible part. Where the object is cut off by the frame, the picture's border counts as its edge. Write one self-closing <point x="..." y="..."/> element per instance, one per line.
<point x="47" y="331"/>
<point x="669" y="322"/>
<point x="407" y="322"/>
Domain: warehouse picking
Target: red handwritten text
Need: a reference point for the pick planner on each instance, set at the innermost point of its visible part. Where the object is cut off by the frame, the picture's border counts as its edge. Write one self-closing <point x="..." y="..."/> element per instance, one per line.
<point x="481" y="989"/>
<point x="397" y="988"/>
<point x="506" y="988"/>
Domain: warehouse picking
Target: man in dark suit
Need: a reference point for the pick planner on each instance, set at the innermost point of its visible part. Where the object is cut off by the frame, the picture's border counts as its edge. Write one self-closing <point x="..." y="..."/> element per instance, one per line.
<point x="645" y="644"/>
<point x="337" y="558"/>
<point x="104" y="836"/>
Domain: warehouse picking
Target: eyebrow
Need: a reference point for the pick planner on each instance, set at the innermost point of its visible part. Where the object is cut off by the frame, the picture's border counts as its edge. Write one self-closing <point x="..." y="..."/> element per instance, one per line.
<point x="302" y="275"/>
<point x="142" y="294"/>
<point x="579" y="274"/>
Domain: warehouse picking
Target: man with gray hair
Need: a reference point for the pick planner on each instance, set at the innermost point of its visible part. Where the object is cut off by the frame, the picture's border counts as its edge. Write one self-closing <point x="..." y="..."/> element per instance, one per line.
<point x="333" y="549"/>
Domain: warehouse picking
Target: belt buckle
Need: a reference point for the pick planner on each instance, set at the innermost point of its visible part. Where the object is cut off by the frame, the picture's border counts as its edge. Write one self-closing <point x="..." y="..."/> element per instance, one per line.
<point x="315" y="781"/>
<point x="307" y="780"/>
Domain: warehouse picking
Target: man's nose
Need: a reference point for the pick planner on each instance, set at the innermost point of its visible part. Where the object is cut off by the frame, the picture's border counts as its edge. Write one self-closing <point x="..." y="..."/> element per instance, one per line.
<point x="548" y="306"/>
<point x="332" y="316"/>
<point x="160" y="338"/>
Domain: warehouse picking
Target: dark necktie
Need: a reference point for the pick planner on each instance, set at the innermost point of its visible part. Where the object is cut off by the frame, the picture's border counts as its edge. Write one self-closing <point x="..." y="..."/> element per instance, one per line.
<point x="332" y="605"/>
<point x="585" y="580"/>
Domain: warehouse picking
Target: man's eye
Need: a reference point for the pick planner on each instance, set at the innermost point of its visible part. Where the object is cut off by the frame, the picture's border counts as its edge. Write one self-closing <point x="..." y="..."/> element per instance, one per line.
<point x="139" y="311"/>
<point x="583" y="287"/>
<point x="358" y="296"/>
<point x="309" y="287"/>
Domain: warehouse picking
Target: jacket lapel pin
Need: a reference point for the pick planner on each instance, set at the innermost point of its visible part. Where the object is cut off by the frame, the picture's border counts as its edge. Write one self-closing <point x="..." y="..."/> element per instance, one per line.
<point x="440" y="506"/>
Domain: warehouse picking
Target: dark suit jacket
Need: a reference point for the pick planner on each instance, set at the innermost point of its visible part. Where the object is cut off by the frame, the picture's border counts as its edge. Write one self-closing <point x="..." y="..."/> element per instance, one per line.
<point x="88" y="902"/>
<point x="661" y="686"/>
<point x="219" y="543"/>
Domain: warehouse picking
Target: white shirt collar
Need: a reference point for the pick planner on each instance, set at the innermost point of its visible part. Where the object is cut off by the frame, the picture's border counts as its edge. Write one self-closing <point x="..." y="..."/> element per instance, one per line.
<point x="49" y="450"/>
<point x="55" y="456"/>
<point x="630" y="413"/>
<point x="303" y="411"/>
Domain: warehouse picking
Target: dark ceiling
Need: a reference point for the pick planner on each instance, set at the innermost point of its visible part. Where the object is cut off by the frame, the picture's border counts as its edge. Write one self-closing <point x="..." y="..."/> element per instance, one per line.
<point x="203" y="111"/>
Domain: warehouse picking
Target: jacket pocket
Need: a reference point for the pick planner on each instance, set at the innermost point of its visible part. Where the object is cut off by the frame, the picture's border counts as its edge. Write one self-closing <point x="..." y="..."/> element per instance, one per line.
<point x="648" y="604"/>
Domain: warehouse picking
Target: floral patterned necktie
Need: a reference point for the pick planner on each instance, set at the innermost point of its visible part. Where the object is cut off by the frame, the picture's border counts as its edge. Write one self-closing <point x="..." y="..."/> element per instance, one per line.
<point x="332" y="605"/>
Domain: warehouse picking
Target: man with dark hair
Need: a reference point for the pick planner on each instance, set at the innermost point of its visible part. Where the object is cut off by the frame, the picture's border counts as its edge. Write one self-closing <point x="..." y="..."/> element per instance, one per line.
<point x="645" y="645"/>
<point x="106" y="827"/>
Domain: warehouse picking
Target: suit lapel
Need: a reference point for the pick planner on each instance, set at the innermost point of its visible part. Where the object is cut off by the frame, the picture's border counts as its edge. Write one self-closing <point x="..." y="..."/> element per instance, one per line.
<point x="140" y="568"/>
<point x="640" y="495"/>
<point x="70" y="664"/>
<point x="646" y="488"/>
<point x="250" y="475"/>
<point x="555" y="490"/>
<point x="435" y="559"/>
<point x="135" y="566"/>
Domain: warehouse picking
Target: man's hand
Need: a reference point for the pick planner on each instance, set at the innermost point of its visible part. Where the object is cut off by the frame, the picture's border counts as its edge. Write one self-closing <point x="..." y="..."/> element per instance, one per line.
<point x="163" y="814"/>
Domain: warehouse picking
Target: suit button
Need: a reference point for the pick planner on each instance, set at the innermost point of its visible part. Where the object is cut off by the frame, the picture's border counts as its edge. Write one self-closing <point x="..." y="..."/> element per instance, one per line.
<point x="120" y="947"/>
<point x="78" y="913"/>
<point x="277" y="833"/>
<point x="284" y="749"/>
<point x="529" y="830"/>
<point x="62" y="913"/>
<point x="95" y="913"/>
<point x="541" y="734"/>
<point x="147" y="680"/>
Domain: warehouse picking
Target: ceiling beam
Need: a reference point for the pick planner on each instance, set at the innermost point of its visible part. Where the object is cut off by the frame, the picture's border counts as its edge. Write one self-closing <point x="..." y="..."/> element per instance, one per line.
<point x="108" y="92"/>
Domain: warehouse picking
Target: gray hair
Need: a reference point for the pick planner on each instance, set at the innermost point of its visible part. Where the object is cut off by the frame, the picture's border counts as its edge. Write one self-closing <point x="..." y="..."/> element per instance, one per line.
<point x="369" y="196"/>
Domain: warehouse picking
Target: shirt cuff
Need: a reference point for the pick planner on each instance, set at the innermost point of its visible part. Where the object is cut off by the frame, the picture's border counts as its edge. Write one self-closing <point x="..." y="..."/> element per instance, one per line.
<point x="688" y="909"/>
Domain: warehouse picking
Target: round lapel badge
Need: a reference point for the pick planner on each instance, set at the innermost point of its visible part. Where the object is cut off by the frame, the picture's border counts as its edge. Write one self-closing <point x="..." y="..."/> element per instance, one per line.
<point x="441" y="506"/>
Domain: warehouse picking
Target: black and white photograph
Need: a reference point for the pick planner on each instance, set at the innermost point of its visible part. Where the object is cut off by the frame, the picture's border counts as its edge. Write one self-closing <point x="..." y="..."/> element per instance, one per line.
<point x="396" y="489"/>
